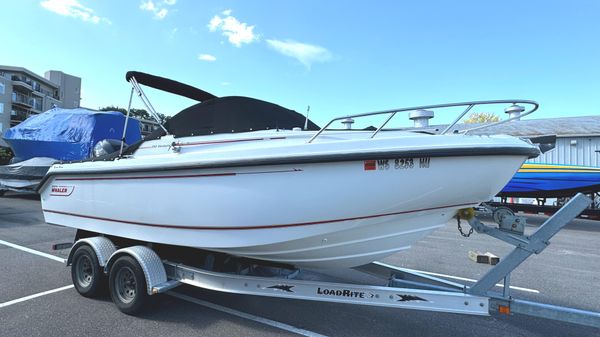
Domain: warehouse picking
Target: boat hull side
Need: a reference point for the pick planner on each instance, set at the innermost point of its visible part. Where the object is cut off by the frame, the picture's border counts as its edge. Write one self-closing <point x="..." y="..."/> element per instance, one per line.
<point x="329" y="214"/>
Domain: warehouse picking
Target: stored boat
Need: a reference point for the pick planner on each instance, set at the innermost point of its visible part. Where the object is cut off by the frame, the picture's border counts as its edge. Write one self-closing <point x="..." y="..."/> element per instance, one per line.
<point x="56" y="135"/>
<point x="552" y="181"/>
<point x="253" y="179"/>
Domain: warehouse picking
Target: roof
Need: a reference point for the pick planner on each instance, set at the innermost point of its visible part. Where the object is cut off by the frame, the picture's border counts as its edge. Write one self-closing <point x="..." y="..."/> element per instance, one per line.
<point x="561" y="127"/>
<point x="30" y="73"/>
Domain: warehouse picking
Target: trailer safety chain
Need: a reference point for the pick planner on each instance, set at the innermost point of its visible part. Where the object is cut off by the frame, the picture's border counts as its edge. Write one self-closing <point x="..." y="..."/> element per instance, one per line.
<point x="460" y="230"/>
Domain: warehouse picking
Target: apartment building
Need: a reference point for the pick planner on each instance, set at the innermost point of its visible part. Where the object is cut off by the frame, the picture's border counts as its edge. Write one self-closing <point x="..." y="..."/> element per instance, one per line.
<point x="23" y="92"/>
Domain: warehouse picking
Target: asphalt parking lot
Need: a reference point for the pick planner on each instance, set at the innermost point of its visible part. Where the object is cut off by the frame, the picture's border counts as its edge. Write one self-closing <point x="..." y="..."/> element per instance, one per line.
<point x="37" y="297"/>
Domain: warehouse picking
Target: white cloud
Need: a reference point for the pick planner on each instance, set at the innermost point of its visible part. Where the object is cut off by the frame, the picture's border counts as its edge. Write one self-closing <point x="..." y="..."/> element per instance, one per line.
<point x="162" y="13"/>
<point x="225" y="83"/>
<point x="159" y="8"/>
<point x="148" y="6"/>
<point x="207" y="57"/>
<point x="307" y="54"/>
<point x="237" y="32"/>
<point x="73" y="9"/>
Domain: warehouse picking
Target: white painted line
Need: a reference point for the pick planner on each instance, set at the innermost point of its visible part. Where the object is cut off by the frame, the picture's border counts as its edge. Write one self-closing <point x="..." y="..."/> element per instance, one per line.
<point x="32" y="251"/>
<point x="251" y="317"/>
<point x="27" y="298"/>
<point x="471" y="280"/>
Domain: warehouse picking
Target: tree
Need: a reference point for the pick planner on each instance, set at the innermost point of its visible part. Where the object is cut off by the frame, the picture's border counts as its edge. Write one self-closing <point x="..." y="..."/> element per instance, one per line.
<point x="137" y="113"/>
<point x="482" y="117"/>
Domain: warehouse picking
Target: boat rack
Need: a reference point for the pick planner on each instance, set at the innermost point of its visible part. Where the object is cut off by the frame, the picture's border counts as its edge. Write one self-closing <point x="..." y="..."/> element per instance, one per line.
<point x="407" y="289"/>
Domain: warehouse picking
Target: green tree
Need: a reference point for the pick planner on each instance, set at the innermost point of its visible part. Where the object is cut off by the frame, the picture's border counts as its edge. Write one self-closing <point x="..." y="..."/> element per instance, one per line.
<point x="5" y="155"/>
<point x="482" y="117"/>
<point x="137" y="113"/>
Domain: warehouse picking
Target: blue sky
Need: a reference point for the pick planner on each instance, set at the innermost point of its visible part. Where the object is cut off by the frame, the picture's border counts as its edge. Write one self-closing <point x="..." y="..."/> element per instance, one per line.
<point x="339" y="57"/>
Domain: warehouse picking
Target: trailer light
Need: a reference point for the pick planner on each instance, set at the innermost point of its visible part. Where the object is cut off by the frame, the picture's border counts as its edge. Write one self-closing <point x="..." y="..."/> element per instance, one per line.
<point x="504" y="309"/>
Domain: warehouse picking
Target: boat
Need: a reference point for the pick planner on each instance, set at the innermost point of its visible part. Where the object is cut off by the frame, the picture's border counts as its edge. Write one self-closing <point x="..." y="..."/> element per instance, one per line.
<point x="25" y="175"/>
<point x="253" y="179"/>
<point x="535" y="180"/>
<point x="60" y="135"/>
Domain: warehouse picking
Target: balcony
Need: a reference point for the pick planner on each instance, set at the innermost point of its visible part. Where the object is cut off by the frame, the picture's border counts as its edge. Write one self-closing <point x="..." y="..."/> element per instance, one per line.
<point x="22" y="100"/>
<point x="37" y="105"/>
<point x="21" y="82"/>
<point x="17" y="116"/>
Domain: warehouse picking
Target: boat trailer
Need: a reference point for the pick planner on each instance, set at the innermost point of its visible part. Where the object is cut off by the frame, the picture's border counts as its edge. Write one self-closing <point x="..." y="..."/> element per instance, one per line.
<point x="137" y="272"/>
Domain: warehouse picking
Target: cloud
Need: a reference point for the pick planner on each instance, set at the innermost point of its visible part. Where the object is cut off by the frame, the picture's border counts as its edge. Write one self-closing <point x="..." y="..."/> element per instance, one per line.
<point x="73" y="9"/>
<point x="307" y="54"/>
<point x="237" y="32"/>
<point x="159" y="8"/>
<point x="207" y="57"/>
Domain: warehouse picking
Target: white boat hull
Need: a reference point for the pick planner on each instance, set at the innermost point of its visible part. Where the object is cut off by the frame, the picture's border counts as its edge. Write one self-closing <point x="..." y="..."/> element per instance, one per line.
<point x="337" y="214"/>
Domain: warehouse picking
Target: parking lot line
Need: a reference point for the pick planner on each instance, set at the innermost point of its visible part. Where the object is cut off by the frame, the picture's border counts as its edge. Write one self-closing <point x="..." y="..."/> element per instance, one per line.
<point x="30" y="297"/>
<point x="247" y="316"/>
<point x="32" y="251"/>
<point x="213" y="306"/>
<point x="471" y="280"/>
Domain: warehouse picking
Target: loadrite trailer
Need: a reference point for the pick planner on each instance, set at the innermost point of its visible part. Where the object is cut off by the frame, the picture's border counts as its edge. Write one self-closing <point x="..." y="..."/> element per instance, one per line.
<point x="138" y="270"/>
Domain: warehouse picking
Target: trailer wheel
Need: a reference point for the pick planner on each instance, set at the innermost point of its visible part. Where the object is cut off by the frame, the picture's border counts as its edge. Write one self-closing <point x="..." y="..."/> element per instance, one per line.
<point x="87" y="277"/>
<point x="127" y="285"/>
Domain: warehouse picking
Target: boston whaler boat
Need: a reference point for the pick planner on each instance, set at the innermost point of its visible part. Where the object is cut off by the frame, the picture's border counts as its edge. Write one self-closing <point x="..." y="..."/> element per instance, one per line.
<point x="236" y="194"/>
<point x="252" y="179"/>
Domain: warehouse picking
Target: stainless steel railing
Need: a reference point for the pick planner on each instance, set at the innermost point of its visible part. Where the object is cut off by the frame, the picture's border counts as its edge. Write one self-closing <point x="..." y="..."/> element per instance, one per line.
<point x="469" y="105"/>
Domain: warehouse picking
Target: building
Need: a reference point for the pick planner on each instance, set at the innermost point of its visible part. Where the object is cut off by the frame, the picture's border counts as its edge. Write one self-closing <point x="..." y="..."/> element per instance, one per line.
<point x="23" y="92"/>
<point x="577" y="138"/>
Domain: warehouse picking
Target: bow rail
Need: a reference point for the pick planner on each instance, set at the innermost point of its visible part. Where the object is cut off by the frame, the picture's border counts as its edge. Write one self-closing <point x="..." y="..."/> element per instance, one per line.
<point x="533" y="106"/>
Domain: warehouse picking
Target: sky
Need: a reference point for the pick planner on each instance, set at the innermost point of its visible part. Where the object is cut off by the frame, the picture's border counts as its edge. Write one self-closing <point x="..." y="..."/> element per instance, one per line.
<point x="339" y="57"/>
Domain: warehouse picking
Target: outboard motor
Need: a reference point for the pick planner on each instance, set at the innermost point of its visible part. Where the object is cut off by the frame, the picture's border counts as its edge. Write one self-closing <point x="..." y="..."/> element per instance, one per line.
<point x="106" y="146"/>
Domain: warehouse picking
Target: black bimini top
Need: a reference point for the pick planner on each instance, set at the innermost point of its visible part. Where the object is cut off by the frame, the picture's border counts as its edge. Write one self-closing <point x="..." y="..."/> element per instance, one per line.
<point x="234" y="114"/>
<point x="214" y="114"/>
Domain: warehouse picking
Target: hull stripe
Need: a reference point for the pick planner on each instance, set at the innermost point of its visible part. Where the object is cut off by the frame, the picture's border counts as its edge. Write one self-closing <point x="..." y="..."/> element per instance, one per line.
<point x="227" y="174"/>
<point x="251" y="227"/>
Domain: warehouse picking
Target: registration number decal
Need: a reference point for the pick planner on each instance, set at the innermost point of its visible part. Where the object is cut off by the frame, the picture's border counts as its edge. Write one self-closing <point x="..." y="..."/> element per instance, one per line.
<point x="397" y="164"/>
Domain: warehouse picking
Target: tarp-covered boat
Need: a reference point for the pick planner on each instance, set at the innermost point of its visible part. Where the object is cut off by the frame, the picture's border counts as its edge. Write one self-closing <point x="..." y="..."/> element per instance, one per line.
<point x="67" y="134"/>
<point x="59" y="135"/>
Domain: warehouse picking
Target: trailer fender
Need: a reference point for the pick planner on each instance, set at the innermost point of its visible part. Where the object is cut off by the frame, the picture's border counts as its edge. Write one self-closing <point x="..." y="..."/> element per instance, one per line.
<point x="151" y="264"/>
<point x="102" y="246"/>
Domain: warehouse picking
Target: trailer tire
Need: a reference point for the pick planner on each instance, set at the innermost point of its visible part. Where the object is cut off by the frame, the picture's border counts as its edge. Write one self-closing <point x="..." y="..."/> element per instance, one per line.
<point x="127" y="285"/>
<point x="87" y="276"/>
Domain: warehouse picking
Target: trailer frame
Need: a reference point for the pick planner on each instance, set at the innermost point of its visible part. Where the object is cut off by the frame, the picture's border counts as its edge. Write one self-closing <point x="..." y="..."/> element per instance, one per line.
<point x="406" y="289"/>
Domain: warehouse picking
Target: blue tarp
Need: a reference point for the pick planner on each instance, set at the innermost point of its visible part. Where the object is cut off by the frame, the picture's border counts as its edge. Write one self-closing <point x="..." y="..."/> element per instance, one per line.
<point x="68" y="134"/>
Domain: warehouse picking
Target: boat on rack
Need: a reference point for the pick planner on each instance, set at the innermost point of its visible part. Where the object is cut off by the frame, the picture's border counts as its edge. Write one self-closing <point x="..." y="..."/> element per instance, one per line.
<point x="535" y="180"/>
<point x="253" y="179"/>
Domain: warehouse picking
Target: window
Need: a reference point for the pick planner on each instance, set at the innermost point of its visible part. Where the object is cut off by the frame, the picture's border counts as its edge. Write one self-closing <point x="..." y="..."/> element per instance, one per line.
<point x="1" y="88"/>
<point x="1" y="108"/>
